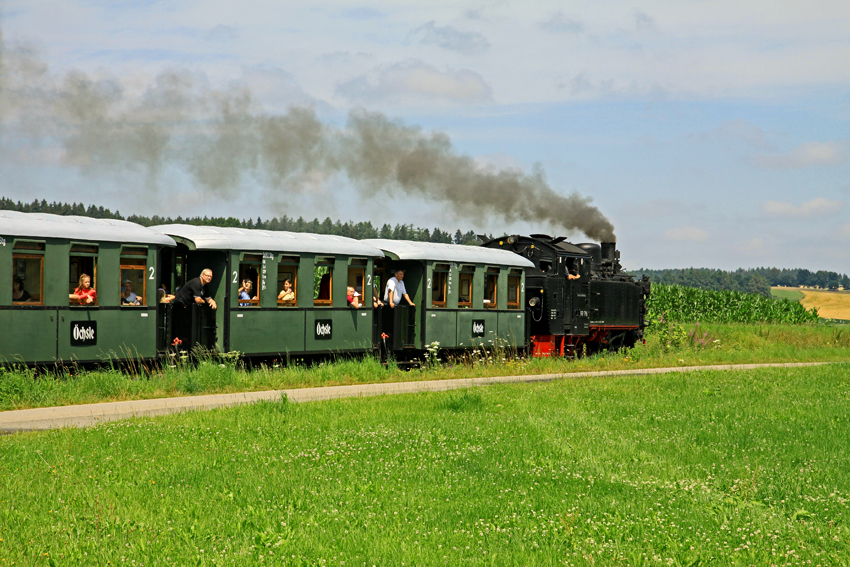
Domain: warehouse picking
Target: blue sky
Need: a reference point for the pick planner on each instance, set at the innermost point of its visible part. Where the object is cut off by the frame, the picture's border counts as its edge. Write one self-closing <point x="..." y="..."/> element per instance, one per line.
<point x="711" y="134"/>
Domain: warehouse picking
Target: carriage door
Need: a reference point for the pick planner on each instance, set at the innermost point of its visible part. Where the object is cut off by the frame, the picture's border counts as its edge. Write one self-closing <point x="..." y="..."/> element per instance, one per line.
<point x="580" y="298"/>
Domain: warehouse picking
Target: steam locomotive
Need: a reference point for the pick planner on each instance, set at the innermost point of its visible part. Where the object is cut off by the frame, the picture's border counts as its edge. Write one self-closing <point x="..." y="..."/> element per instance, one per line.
<point x="578" y="298"/>
<point x="533" y="293"/>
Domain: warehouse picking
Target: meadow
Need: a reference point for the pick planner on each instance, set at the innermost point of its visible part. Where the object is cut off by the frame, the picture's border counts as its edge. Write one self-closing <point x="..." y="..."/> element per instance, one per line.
<point x="789" y="293"/>
<point x="705" y="468"/>
<point x="668" y="344"/>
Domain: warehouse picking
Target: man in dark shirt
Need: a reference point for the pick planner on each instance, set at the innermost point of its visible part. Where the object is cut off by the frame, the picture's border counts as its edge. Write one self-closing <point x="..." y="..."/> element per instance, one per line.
<point x="193" y="291"/>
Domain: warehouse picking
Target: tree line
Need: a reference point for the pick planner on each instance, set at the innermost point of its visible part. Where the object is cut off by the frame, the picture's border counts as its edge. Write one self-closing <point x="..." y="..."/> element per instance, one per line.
<point x="350" y="229"/>
<point x="752" y="280"/>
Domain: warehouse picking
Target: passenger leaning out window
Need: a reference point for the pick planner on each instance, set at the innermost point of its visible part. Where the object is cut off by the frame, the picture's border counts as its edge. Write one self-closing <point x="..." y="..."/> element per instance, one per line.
<point x="246" y="292"/>
<point x="85" y="293"/>
<point x="287" y="293"/>
<point x="351" y="297"/>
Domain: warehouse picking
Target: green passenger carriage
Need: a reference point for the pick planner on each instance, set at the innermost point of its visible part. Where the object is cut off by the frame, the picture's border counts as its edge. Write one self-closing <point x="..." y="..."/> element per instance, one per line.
<point x="464" y="296"/>
<point x="320" y="268"/>
<point x="46" y="255"/>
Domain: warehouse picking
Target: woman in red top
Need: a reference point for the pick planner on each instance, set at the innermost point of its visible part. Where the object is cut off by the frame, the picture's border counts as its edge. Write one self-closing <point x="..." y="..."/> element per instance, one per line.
<point x="85" y="294"/>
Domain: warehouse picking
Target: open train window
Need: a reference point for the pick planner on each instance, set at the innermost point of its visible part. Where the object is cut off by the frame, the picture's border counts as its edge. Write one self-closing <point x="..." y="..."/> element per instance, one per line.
<point x="491" y="281"/>
<point x="545" y="266"/>
<point x="573" y="268"/>
<point x="82" y="276"/>
<point x="287" y="282"/>
<point x="514" y="278"/>
<point x="323" y="282"/>
<point x="28" y="273"/>
<point x="248" y="294"/>
<point x="357" y="280"/>
<point x="133" y="285"/>
<point x="467" y="274"/>
<point x="439" y="280"/>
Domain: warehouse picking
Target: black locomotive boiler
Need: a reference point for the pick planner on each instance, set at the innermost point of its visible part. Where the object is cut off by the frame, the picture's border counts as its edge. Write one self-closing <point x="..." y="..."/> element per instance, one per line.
<point x="578" y="298"/>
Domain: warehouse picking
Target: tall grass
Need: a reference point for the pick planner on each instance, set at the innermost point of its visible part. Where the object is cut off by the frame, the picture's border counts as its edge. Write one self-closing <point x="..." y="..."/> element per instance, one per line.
<point x="687" y="304"/>
<point x="668" y="344"/>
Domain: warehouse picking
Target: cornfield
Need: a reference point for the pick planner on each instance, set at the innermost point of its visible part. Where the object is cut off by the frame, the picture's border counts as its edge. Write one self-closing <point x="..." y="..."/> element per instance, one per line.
<point x="677" y="303"/>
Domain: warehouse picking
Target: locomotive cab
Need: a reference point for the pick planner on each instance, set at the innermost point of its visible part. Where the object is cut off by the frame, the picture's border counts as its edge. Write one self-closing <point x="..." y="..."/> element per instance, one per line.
<point x="578" y="297"/>
<point x="557" y="286"/>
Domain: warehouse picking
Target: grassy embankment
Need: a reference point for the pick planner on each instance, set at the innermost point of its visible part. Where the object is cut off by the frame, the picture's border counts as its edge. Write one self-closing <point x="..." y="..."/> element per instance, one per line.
<point x="667" y="345"/>
<point x="730" y="337"/>
<point x="705" y="468"/>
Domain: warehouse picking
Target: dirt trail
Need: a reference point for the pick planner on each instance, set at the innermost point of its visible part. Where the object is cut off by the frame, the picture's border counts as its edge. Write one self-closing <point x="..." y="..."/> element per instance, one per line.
<point x="831" y="304"/>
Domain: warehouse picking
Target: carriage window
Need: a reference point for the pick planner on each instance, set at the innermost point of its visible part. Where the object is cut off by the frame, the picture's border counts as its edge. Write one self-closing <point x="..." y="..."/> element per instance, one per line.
<point x="466" y="276"/>
<point x="248" y="293"/>
<point x="82" y="278"/>
<point x="491" y="279"/>
<point x="287" y="282"/>
<point x="134" y="251"/>
<point x="438" y="285"/>
<point x="513" y="289"/>
<point x="323" y="282"/>
<point x="356" y="280"/>
<point x="27" y="277"/>
<point x="133" y="285"/>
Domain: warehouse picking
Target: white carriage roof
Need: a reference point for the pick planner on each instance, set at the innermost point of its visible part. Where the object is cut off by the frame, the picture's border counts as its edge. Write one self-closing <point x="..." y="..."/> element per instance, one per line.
<point x="44" y="225"/>
<point x="458" y="253"/>
<point x="221" y="238"/>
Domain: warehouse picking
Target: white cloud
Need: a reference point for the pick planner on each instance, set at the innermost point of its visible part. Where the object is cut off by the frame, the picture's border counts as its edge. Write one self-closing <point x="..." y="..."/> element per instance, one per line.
<point x="447" y="37"/>
<point x="739" y="130"/>
<point x="643" y="21"/>
<point x="561" y="23"/>
<point x="806" y="155"/>
<point x="752" y="246"/>
<point x="687" y="233"/>
<point x="222" y="33"/>
<point x="414" y="80"/>
<point x="815" y="207"/>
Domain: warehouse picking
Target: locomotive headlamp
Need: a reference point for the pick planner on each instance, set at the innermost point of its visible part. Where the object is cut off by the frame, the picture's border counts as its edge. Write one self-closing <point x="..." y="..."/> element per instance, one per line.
<point x="533" y="302"/>
<point x="512" y="240"/>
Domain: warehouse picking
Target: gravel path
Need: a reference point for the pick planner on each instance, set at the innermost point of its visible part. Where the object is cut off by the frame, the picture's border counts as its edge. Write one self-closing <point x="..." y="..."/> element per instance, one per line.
<point x="91" y="414"/>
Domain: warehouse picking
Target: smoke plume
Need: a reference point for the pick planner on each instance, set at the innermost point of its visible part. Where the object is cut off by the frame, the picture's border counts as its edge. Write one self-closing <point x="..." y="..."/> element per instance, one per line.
<point x="225" y="141"/>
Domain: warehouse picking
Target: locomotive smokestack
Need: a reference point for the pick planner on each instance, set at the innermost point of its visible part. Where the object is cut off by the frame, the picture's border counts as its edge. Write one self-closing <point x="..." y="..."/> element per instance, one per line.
<point x="608" y="252"/>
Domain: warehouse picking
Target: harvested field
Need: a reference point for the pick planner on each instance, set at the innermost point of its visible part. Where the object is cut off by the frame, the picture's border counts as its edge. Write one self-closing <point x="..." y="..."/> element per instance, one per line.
<point x="830" y="304"/>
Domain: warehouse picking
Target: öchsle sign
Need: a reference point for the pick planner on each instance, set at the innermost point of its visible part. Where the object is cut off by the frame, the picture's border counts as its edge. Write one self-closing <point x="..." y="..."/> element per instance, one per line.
<point x="478" y="328"/>
<point x="83" y="333"/>
<point x="324" y="329"/>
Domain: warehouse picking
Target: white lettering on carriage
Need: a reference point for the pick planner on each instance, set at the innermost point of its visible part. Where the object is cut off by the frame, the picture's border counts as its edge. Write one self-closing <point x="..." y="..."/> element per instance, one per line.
<point x="83" y="334"/>
<point x="2" y="241"/>
<point x="478" y="328"/>
<point x="322" y="330"/>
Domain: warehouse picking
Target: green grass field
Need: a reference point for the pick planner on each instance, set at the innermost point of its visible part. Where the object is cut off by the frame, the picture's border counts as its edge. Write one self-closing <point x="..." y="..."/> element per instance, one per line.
<point x="789" y="294"/>
<point x="706" y="468"/>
